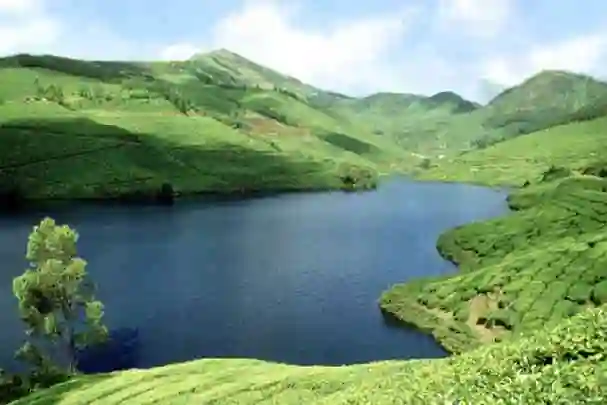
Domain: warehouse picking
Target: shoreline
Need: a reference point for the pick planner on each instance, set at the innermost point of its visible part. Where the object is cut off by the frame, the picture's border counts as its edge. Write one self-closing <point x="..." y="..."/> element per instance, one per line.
<point x="29" y="204"/>
<point x="147" y="198"/>
<point x="451" y="333"/>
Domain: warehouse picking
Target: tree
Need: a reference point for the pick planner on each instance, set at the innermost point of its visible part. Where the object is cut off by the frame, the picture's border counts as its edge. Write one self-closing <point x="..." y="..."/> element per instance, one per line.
<point x="56" y="302"/>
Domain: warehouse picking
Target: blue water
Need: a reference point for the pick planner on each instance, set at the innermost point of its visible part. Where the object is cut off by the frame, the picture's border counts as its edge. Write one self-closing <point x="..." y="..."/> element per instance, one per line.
<point x="292" y="278"/>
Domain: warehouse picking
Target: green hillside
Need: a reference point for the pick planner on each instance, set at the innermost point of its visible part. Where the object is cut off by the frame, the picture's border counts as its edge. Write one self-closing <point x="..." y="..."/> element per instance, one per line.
<point x="518" y="273"/>
<point x="445" y="123"/>
<point x="530" y="268"/>
<point x="578" y="146"/>
<point x="219" y="123"/>
<point x="132" y="127"/>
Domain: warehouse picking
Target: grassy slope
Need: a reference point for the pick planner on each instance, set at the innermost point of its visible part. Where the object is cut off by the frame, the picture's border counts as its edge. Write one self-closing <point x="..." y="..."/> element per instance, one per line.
<point x="565" y="365"/>
<point x="543" y="262"/>
<point x="576" y="146"/>
<point x="220" y="123"/>
<point x="126" y="136"/>
<point x="445" y="124"/>
<point x="519" y="272"/>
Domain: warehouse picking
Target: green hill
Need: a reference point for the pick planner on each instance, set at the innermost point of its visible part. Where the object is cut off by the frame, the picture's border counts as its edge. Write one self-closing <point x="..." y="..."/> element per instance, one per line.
<point x="532" y="267"/>
<point x="521" y="272"/>
<point x="578" y="146"/>
<point x="544" y="100"/>
<point x="189" y="124"/>
<point x="219" y="123"/>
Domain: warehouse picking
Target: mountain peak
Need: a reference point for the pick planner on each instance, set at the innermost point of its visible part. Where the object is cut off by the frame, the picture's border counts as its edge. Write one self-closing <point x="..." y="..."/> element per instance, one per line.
<point x="546" y="86"/>
<point x="220" y="53"/>
<point x="453" y="99"/>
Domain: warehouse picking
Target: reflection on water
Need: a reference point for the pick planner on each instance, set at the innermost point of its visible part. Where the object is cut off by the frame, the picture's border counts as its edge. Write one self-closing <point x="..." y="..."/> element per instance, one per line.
<point x="119" y="352"/>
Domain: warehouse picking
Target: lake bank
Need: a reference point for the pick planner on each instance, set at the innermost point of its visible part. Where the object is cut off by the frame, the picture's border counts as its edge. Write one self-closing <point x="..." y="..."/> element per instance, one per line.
<point x="527" y="269"/>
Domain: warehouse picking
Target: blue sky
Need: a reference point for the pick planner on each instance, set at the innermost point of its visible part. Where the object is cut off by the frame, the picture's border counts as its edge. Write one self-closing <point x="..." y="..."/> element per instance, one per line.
<point x="473" y="47"/>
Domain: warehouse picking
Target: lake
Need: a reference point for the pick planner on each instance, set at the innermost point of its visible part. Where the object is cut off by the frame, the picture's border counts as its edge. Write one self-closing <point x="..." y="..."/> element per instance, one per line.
<point x="292" y="278"/>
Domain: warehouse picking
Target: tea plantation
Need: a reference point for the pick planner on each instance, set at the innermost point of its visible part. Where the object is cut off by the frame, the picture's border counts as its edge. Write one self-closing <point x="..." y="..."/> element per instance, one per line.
<point x="519" y="273"/>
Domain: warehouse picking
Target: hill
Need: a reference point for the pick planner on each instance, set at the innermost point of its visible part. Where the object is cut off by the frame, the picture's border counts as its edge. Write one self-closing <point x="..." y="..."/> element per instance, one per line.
<point x="577" y="147"/>
<point x="219" y="123"/>
<point x="518" y="273"/>
<point x="532" y="267"/>
<point x="546" y="99"/>
<point x="447" y="124"/>
<point x="187" y="124"/>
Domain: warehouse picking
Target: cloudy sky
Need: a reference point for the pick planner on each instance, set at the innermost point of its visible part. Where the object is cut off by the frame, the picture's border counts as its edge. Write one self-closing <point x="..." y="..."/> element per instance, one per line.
<point x="473" y="47"/>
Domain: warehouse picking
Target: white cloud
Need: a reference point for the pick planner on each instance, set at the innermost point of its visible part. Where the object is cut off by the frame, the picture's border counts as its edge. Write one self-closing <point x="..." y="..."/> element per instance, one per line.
<point x="347" y="53"/>
<point x="19" y="6"/>
<point x="178" y="52"/>
<point x="583" y="54"/>
<point x="483" y="18"/>
<point x="25" y="27"/>
<point x="31" y="35"/>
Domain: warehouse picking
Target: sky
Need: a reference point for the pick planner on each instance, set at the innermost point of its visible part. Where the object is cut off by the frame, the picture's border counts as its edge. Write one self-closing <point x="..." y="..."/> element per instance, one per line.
<point x="473" y="47"/>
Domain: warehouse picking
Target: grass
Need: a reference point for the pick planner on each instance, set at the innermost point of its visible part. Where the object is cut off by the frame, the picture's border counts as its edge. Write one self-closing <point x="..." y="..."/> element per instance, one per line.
<point x="576" y="146"/>
<point x="518" y="273"/>
<point x="566" y="364"/>
<point x="263" y="112"/>
<point x="47" y="159"/>
<point x="127" y="131"/>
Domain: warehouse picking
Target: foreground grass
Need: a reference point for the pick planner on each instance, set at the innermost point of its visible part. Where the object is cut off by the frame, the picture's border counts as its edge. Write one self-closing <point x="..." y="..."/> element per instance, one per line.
<point x="519" y="273"/>
<point x="567" y="364"/>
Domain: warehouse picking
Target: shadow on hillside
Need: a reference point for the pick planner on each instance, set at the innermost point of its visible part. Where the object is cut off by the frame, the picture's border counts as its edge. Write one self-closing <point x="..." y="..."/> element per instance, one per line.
<point x="105" y="71"/>
<point x="172" y="168"/>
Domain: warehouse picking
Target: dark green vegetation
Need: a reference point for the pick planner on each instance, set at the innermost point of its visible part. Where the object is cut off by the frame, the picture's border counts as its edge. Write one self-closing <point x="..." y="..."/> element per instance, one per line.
<point x="219" y="123"/>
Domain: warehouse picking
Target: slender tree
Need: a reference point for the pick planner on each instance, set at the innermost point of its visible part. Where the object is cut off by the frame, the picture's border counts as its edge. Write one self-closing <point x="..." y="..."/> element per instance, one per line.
<point x="56" y="302"/>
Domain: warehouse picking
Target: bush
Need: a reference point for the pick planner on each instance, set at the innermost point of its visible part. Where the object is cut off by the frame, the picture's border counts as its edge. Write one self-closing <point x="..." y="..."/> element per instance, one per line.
<point x="579" y="293"/>
<point x="599" y="293"/>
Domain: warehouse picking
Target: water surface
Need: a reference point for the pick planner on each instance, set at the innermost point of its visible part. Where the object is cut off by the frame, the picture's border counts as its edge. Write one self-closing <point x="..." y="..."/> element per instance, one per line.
<point x="291" y="278"/>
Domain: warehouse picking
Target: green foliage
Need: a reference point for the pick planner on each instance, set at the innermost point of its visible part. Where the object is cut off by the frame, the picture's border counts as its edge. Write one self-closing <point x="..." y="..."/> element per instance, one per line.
<point x="56" y="303"/>
<point x="157" y="123"/>
<point x="576" y="147"/>
<point x="537" y="266"/>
